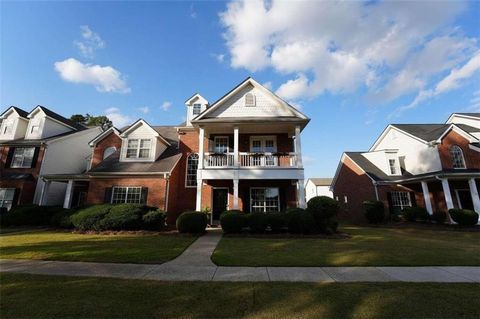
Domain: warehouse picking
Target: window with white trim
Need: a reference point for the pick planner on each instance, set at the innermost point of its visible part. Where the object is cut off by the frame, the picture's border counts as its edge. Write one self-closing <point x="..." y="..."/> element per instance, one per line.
<point x="458" y="161"/>
<point x="264" y="199"/>
<point x="130" y="195"/>
<point x="6" y="197"/>
<point x="400" y="200"/>
<point x="197" y="109"/>
<point x="7" y="126"/>
<point x="192" y="166"/>
<point x="221" y="144"/>
<point x="138" y="148"/>
<point x="392" y="163"/>
<point x="109" y="151"/>
<point x="249" y="99"/>
<point x="22" y="157"/>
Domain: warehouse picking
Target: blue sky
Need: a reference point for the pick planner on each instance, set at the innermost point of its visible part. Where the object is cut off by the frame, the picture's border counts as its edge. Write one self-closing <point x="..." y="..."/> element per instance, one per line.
<point x="351" y="67"/>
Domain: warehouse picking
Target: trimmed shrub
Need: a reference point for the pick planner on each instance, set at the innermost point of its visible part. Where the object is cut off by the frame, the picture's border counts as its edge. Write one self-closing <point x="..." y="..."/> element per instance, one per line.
<point x="154" y="220"/>
<point x="31" y="215"/>
<point x="257" y="222"/>
<point x="300" y="221"/>
<point x="374" y="211"/>
<point x="276" y="221"/>
<point x="233" y="221"/>
<point x="123" y="217"/>
<point x="329" y="226"/>
<point x="62" y="219"/>
<point x="439" y="217"/>
<point x="464" y="217"/>
<point x="192" y="222"/>
<point x="88" y="218"/>
<point x="322" y="208"/>
<point x="415" y="213"/>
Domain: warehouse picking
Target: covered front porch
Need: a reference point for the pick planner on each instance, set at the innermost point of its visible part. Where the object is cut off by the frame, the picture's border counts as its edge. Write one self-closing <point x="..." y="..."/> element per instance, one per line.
<point x="75" y="192"/>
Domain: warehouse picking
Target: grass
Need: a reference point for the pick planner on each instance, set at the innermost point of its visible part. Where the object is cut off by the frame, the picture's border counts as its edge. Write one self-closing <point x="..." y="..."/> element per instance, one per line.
<point x="55" y="245"/>
<point x="369" y="246"/>
<point x="38" y="296"/>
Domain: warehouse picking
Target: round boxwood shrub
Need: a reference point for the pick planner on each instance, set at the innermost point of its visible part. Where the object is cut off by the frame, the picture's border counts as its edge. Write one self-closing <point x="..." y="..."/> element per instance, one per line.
<point x="31" y="215"/>
<point x="464" y="217"/>
<point x="300" y="221"/>
<point x="192" y="222"/>
<point x="329" y="226"/>
<point x="374" y="211"/>
<point x="415" y="213"/>
<point x="233" y="221"/>
<point x="257" y="222"/>
<point x="154" y="220"/>
<point x="62" y="219"/>
<point x="322" y="208"/>
<point x="439" y="217"/>
<point x="88" y="218"/>
<point x="123" y="217"/>
<point x="276" y="221"/>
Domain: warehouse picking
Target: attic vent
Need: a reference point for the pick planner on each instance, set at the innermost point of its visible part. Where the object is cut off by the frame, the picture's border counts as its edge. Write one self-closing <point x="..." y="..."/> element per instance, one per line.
<point x="249" y="99"/>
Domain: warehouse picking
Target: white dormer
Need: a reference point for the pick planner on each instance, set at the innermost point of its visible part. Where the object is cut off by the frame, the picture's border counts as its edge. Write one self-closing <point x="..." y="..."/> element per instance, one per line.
<point x="141" y="143"/>
<point x="13" y="124"/>
<point x="195" y="105"/>
<point x="471" y="119"/>
<point x="41" y="125"/>
<point x="386" y="160"/>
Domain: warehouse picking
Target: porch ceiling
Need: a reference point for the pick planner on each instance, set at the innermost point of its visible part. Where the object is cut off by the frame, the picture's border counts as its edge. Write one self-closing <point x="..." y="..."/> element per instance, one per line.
<point x="250" y="128"/>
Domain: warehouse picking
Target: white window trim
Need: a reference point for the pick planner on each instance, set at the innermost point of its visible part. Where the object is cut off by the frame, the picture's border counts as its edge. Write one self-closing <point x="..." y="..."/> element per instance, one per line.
<point x="401" y="205"/>
<point x="2" y="200"/>
<point x="193" y="109"/>
<point x="254" y="100"/>
<point x="137" y="158"/>
<point x="112" y="150"/>
<point x="186" y="171"/>
<point x="264" y="204"/>
<point x="126" y="193"/>
<point x="464" y="165"/>
<point x="398" y="168"/>
<point x="23" y="159"/>
<point x="263" y="138"/>
<point x="215" y="143"/>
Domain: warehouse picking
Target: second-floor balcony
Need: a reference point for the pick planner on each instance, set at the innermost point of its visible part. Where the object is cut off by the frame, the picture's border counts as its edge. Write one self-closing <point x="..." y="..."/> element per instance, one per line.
<point x="251" y="160"/>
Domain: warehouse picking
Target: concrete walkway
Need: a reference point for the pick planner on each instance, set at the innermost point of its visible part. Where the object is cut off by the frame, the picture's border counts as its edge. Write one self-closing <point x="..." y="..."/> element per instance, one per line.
<point x="195" y="265"/>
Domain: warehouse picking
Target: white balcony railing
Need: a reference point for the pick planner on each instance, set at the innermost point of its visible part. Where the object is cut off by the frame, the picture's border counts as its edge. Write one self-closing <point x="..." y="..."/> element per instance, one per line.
<point x="251" y="160"/>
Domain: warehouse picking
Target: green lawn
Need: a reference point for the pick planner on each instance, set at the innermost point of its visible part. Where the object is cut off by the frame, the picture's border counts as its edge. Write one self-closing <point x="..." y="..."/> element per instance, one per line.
<point x="54" y="245"/>
<point x="369" y="246"/>
<point x="36" y="296"/>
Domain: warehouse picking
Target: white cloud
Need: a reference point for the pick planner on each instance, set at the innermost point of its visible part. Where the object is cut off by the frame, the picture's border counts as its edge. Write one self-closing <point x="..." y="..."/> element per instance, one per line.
<point x="219" y="57"/>
<point x="193" y="13"/>
<point x="166" y="105"/>
<point x="117" y="117"/>
<point x="268" y="85"/>
<point x="104" y="78"/>
<point x="91" y="41"/>
<point x="387" y="49"/>
<point x="475" y="102"/>
<point x="144" y="109"/>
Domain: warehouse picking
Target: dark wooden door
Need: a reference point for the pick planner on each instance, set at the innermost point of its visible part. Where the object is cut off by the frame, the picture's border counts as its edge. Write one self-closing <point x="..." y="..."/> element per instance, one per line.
<point x="220" y="202"/>
<point x="465" y="199"/>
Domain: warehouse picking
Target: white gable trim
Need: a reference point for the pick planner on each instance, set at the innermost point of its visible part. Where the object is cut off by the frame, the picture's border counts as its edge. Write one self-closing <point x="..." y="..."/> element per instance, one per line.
<point x="194" y="97"/>
<point x="39" y="108"/>
<point x="475" y="148"/>
<point x="391" y="127"/>
<point x="102" y="135"/>
<point x="143" y="122"/>
<point x="251" y="81"/>
<point x="458" y="130"/>
<point x="462" y="116"/>
<point x="10" y="110"/>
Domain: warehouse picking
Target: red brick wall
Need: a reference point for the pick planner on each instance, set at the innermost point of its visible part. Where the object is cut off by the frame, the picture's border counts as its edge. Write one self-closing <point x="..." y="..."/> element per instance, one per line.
<point x="110" y="140"/>
<point x="26" y="188"/>
<point x="472" y="158"/>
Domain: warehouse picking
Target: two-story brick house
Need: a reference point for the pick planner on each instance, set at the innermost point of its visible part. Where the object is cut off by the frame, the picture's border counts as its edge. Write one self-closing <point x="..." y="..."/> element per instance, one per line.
<point x="241" y="152"/>
<point x="435" y="166"/>
<point x="37" y="143"/>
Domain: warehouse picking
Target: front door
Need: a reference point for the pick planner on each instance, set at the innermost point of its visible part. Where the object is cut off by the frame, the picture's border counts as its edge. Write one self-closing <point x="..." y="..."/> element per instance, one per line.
<point x="465" y="199"/>
<point x="220" y="202"/>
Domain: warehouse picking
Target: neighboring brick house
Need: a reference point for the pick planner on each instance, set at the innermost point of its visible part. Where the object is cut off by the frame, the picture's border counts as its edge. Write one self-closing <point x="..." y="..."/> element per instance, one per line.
<point x="436" y="166"/>
<point x="241" y="152"/>
<point x="37" y="143"/>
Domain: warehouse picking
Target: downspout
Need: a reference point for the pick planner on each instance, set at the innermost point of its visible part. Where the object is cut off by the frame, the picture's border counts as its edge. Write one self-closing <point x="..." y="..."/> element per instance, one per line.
<point x="376" y="190"/>
<point x="167" y="192"/>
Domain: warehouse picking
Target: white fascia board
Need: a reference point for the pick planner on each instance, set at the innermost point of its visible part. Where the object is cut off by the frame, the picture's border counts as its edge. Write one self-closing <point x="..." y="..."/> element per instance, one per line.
<point x="103" y="134"/>
<point x="458" y="130"/>
<point x="475" y="148"/>
<point x="39" y="108"/>
<point x="460" y="115"/>
<point x="154" y="133"/>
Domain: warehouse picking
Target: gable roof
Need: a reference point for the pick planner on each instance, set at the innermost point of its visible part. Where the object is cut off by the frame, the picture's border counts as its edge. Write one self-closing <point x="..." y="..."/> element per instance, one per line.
<point x="143" y="122"/>
<point x="104" y="134"/>
<point x="251" y="81"/>
<point x="19" y="111"/>
<point x="477" y="115"/>
<point x="425" y="132"/>
<point x="57" y="117"/>
<point x="321" y="181"/>
<point x="372" y="170"/>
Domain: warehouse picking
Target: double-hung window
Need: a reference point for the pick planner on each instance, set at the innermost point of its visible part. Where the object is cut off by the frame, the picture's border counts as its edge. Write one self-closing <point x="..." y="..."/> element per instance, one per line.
<point x="131" y="195"/>
<point x="400" y="200"/>
<point x="392" y="163"/>
<point x="197" y="109"/>
<point x="221" y="144"/>
<point x="6" y="197"/>
<point x="22" y="157"/>
<point x="264" y="199"/>
<point x="138" y="148"/>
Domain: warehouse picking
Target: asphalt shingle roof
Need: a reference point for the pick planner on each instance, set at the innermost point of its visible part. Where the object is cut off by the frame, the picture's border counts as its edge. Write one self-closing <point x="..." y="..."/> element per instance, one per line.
<point x="426" y="132"/>
<point x="60" y="118"/>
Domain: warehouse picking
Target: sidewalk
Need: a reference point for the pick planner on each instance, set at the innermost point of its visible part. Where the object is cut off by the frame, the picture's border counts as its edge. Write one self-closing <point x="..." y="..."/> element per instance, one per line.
<point x="195" y="265"/>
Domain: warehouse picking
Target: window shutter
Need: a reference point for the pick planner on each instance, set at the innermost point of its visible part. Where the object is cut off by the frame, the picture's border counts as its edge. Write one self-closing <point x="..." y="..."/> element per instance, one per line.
<point x="283" y="199"/>
<point x="144" y="195"/>
<point x="108" y="195"/>
<point x="390" y="203"/>
<point x="8" y="161"/>
<point x="35" y="157"/>
<point x="413" y="200"/>
<point x="16" y="197"/>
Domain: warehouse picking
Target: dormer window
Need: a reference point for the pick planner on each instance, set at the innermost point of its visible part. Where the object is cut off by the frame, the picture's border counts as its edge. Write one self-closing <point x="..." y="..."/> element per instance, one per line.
<point x="138" y="148"/>
<point x="458" y="161"/>
<point x="249" y="99"/>
<point x="393" y="166"/>
<point x="7" y="127"/>
<point x="197" y="109"/>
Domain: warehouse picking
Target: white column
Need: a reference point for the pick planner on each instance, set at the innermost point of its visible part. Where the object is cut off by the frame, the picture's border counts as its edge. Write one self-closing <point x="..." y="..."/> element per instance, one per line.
<point x="235" y="194"/>
<point x="301" y="193"/>
<point x="298" y="146"/>
<point x="426" y="197"/>
<point x="67" y="203"/>
<point x="474" y="194"/>
<point x="446" y="192"/>
<point x="44" y="194"/>
<point x="201" y="137"/>
<point x="198" y="206"/>
<point x="235" y="147"/>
